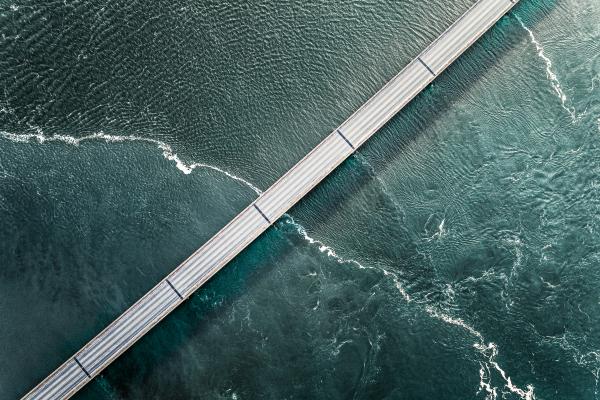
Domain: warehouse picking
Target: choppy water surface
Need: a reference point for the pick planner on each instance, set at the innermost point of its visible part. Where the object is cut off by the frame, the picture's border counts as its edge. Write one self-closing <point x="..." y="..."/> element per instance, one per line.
<point x="455" y="256"/>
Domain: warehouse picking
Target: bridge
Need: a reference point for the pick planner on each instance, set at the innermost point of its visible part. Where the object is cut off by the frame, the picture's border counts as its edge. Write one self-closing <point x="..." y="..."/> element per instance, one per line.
<point x="180" y="284"/>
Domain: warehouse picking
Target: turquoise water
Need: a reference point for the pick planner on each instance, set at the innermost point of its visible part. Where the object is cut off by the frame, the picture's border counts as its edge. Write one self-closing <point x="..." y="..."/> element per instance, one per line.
<point x="455" y="256"/>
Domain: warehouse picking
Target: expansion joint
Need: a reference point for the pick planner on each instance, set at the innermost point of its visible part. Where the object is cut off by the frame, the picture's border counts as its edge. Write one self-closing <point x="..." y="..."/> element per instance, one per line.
<point x="426" y="66"/>
<point x="345" y="139"/>
<point x="262" y="213"/>
<point x="175" y="290"/>
<point x="82" y="367"/>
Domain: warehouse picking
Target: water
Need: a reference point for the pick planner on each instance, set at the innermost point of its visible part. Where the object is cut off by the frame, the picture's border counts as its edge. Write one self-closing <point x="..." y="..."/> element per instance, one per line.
<point x="455" y="256"/>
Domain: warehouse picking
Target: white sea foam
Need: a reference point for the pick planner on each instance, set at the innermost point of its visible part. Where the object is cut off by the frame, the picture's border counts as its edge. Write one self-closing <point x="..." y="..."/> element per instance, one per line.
<point x="453" y="321"/>
<point x="516" y="243"/>
<point x="485" y="377"/>
<point x="166" y="149"/>
<point x="589" y="359"/>
<point x="330" y="252"/>
<point x="440" y="232"/>
<point x="550" y="74"/>
<point x="490" y="351"/>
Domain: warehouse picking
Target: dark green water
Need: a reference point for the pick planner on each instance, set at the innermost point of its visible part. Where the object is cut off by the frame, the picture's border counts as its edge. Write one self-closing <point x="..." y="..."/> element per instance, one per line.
<point x="456" y="256"/>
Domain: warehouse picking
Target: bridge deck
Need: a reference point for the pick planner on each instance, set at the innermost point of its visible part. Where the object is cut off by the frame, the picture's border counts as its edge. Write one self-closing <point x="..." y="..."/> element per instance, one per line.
<point x="282" y="195"/>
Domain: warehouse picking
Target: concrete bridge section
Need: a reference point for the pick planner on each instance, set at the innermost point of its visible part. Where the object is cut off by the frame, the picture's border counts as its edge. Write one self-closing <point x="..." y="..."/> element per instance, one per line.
<point x="268" y="207"/>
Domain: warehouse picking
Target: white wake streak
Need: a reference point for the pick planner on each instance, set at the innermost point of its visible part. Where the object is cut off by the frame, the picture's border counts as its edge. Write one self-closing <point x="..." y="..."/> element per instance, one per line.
<point x="550" y="74"/>
<point x="330" y="252"/>
<point x="167" y="150"/>
<point x="490" y="350"/>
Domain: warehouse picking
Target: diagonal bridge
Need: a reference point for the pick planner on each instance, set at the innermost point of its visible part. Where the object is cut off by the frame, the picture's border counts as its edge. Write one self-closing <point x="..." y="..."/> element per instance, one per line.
<point x="180" y="284"/>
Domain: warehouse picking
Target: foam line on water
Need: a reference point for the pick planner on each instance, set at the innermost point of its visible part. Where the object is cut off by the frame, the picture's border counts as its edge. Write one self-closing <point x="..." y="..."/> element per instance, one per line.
<point x="550" y="74"/>
<point x="330" y="252"/>
<point x="167" y="150"/>
<point x="490" y="350"/>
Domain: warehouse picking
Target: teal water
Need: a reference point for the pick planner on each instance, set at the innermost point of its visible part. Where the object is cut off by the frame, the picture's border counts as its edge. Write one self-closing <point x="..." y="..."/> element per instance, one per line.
<point x="455" y="256"/>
